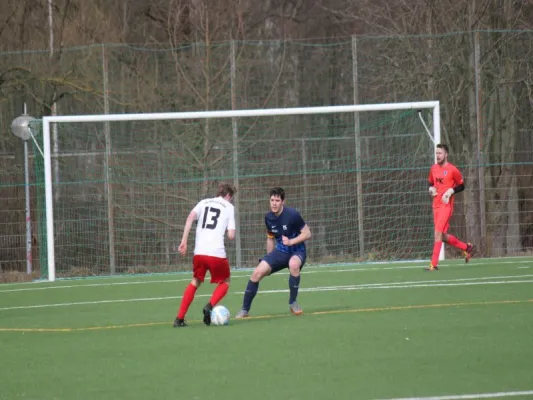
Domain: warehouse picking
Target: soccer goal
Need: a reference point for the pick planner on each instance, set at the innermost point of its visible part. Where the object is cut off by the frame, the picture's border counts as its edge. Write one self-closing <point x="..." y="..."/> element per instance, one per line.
<point x="117" y="188"/>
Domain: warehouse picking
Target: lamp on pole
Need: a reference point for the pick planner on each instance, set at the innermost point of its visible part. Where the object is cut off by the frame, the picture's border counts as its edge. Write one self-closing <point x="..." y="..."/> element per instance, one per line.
<point x="21" y="128"/>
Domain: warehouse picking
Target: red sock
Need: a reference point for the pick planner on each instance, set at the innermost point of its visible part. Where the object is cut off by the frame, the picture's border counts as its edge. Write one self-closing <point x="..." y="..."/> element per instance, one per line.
<point x="436" y="252"/>
<point x="452" y="240"/>
<point x="219" y="293"/>
<point x="188" y="297"/>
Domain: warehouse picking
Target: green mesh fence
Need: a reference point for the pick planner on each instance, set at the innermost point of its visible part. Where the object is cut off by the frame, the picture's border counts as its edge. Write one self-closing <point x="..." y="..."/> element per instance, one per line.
<point x="124" y="213"/>
<point x="490" y="140"/>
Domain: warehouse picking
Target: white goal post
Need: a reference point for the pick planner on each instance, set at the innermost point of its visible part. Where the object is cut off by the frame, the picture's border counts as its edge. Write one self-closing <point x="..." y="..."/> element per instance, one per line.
<point x="48" y="120"/>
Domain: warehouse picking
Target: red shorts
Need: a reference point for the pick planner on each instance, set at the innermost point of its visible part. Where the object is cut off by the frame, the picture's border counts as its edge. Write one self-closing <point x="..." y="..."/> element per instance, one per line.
<point x="441" y="218"/>
<point x="217" y="267"/>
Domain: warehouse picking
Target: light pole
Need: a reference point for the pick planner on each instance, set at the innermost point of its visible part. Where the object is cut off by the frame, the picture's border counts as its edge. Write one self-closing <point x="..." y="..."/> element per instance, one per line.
<point x="21" y="128"/>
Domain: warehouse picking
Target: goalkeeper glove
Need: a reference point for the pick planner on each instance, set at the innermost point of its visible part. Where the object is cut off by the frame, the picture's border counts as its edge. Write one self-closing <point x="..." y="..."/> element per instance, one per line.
<point x="447" y="195"/>
<point x="432" y="191"/>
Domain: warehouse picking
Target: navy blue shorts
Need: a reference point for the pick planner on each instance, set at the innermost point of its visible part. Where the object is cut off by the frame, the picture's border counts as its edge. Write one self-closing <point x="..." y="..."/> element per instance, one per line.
<point x="279" y="260"/>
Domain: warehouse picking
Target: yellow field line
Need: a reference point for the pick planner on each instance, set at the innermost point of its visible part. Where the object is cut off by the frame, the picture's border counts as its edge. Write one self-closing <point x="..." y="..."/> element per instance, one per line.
<point x="329" y="312"/>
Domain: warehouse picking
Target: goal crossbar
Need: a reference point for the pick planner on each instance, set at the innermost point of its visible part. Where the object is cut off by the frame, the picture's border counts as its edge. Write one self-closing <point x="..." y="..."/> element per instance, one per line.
<point x="48" y="120"/>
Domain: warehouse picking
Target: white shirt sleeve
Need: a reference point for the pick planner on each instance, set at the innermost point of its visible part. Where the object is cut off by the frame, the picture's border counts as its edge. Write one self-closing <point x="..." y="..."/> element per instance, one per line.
<point x="198" y="209"/>
<point x="231" y="222"/>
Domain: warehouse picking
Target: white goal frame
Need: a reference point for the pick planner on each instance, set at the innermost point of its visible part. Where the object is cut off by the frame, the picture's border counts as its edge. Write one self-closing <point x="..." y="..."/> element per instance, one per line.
<point x="48" y="120"/>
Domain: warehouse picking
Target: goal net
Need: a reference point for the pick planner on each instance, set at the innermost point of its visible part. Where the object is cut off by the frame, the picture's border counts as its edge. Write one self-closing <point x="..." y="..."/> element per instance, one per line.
<point x="116" y="189"/>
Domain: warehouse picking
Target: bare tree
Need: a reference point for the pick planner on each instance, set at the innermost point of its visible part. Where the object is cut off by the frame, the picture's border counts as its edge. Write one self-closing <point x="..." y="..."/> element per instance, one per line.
<point x="443" y="67"/>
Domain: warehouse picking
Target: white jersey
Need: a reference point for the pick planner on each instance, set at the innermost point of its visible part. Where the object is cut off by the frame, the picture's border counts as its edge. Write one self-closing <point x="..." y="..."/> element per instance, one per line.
<point x="214" y="217"/>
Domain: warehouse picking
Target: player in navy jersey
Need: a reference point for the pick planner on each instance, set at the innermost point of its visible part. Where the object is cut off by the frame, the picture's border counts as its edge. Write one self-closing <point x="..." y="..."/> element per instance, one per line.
<point x="286" y="236"/>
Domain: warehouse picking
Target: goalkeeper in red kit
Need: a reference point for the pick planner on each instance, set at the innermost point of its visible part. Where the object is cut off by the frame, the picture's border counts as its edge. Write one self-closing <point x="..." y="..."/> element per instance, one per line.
<point x="445" y="180"/>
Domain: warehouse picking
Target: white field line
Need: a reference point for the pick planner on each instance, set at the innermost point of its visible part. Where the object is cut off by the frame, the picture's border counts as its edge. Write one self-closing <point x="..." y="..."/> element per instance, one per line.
<point x="234" y="274"/>
<point x="31" y="289"/>
<point x="311" y="269"/>
<point x="394" y="285"/>
<point x="317" y="270"/>
<point x="470" y="396"/>
<point x="399" y="286"/>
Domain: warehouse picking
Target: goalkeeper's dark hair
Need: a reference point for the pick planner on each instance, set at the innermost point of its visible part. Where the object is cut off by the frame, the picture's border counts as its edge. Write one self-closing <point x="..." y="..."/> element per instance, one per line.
<point x="225" y="189"/>
<point x="277" y="191"/>
<point x="444" y="147"/>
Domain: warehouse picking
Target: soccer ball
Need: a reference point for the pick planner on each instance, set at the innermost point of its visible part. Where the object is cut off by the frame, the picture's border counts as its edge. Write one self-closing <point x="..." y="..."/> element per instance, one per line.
<point x="220" y="316"/>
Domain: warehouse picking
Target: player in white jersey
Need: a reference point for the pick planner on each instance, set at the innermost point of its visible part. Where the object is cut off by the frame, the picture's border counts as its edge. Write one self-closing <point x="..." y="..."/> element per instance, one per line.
<point x="215" y="216"/>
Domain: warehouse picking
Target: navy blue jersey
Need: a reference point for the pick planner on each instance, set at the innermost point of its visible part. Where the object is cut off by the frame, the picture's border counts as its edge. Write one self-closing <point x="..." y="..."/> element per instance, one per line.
<point x="289" y="223"/>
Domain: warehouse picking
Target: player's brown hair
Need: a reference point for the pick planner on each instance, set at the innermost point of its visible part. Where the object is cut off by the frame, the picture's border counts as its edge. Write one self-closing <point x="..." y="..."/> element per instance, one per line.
<point x="444" y="147"/>
<point x="225" y="189"/>
<point x="277" y="191"/>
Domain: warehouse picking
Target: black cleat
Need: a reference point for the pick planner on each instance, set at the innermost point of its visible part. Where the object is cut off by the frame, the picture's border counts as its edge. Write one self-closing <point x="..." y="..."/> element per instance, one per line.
<point x="468" y="252"/>
<point x="179" y="323"/>
<point x="207" y="314"/>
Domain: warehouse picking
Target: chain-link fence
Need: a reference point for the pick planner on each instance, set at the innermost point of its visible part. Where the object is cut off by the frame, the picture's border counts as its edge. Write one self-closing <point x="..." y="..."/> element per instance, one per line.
<point x="482" y="79"/>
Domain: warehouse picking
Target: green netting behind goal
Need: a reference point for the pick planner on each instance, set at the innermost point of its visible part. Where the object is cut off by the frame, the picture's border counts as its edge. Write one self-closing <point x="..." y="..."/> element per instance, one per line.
<point x="122" y="190"/>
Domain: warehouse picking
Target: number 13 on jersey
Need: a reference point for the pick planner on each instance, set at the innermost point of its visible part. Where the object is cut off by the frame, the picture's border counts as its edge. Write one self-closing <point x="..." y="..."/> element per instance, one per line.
<point x="210" y="219"/>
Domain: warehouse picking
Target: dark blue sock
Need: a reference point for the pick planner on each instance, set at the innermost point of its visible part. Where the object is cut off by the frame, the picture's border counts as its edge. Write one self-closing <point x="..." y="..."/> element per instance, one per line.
<point x="294" y="285"/>
<point x="249" y="294"/>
